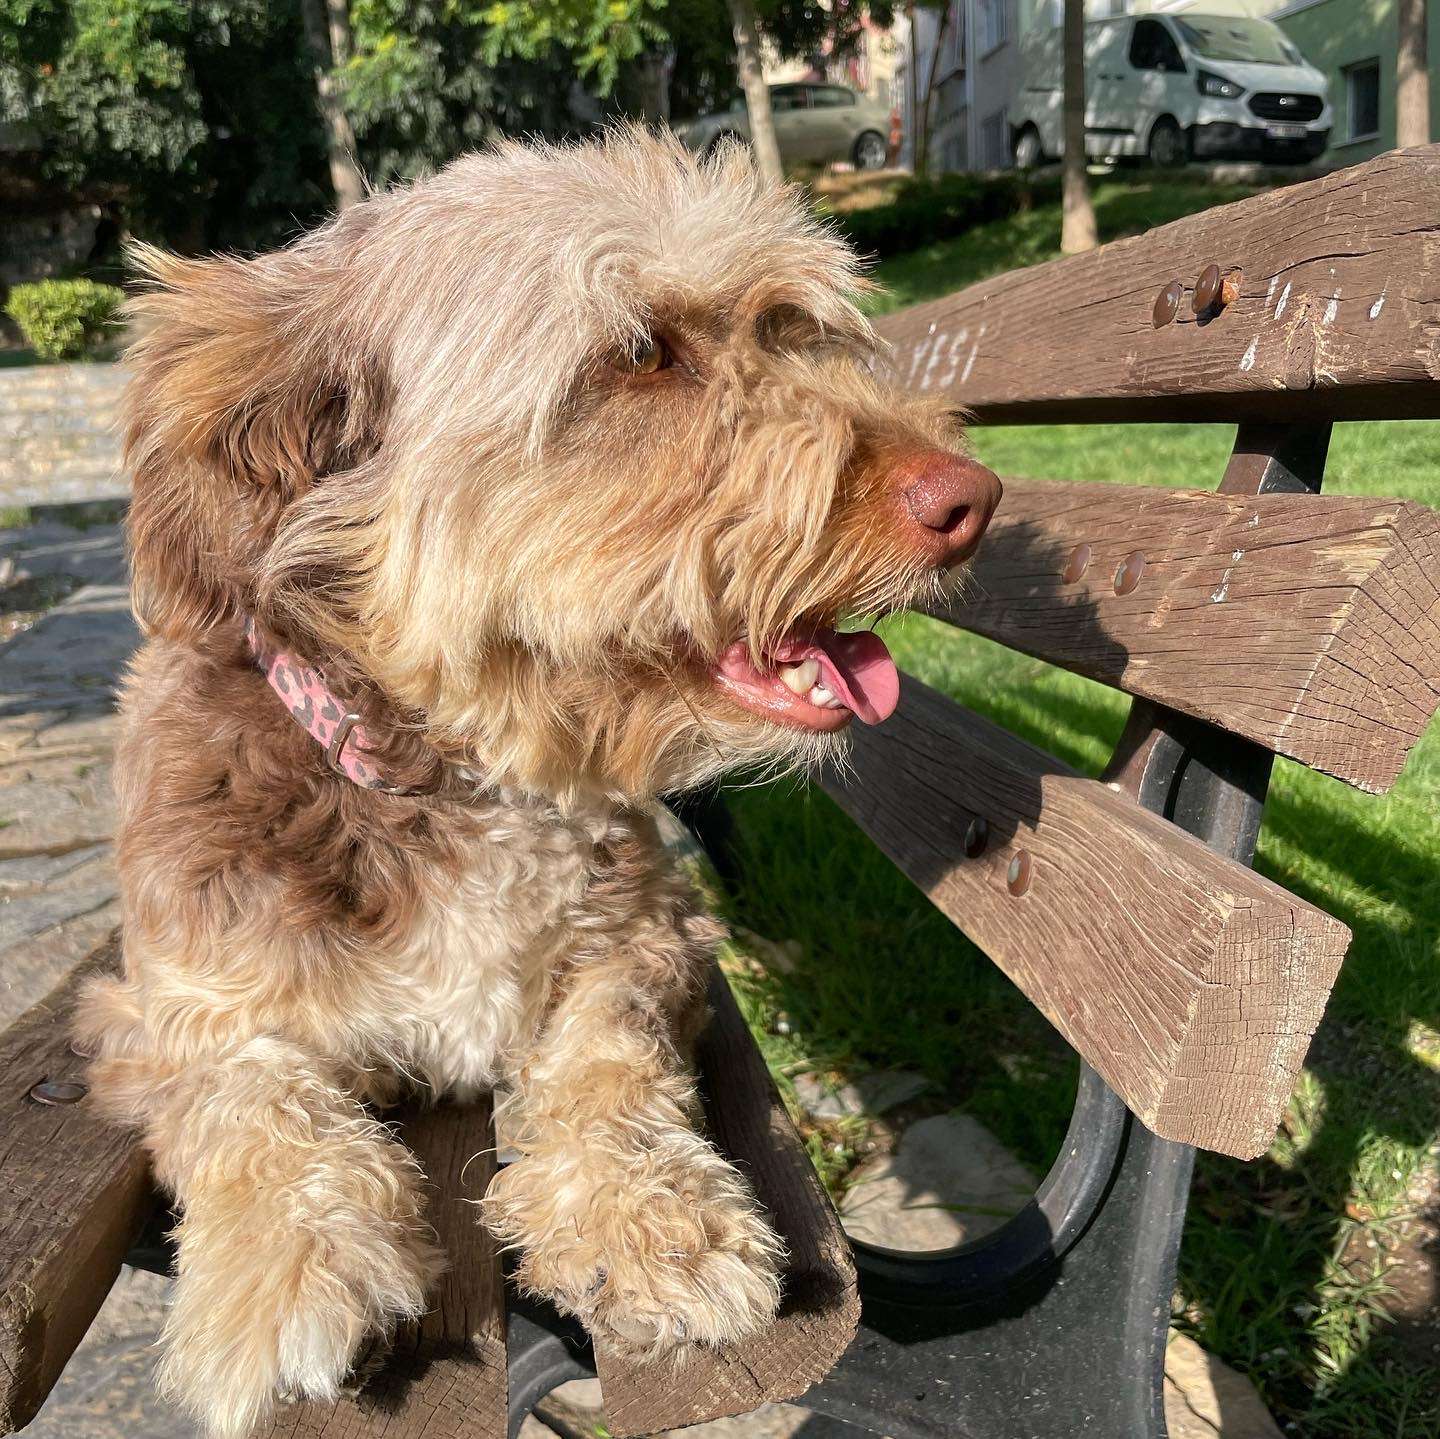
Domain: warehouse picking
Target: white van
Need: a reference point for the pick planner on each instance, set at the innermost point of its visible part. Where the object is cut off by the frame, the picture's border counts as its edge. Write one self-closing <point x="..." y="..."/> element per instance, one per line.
<point x="1173" y="87"/>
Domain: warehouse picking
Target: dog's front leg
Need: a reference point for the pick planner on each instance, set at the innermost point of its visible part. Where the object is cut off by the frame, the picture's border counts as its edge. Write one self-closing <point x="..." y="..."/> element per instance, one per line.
<point x="301" y="1232"/>
<point x="624" y="1215"/>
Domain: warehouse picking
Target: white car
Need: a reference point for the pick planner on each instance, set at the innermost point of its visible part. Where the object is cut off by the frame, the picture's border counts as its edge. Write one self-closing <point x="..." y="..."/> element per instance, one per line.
<point x="1176" y="87"/>
<point x="816" y="123"/>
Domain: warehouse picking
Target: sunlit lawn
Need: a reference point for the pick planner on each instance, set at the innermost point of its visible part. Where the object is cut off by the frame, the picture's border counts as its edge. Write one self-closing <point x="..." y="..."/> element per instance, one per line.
<point x="1277" y="1273"/>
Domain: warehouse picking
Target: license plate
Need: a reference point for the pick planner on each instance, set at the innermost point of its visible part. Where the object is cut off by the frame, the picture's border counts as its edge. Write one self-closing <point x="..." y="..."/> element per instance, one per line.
<point x="1285" y="132"/>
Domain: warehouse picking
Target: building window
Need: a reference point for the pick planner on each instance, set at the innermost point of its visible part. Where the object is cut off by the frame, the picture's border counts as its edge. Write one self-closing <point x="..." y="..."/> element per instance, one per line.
<point x="990" y="25"/>
<point x="1362" y="100"/>
<point x="994" y="141"/>
<point x="951" y="51"/>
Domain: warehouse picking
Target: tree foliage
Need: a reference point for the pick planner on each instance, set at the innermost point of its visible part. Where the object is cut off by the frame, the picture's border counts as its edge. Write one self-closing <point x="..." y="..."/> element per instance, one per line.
<point x="600" y="35"/>
<point x="196" y="116"/>
<point x="196" y="122"/>
<point x="422" y="86"/>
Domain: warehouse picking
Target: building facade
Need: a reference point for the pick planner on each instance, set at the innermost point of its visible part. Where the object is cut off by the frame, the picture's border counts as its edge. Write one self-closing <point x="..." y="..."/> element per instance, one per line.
<point x="1355" y="43"/>
<point x="967" y="57"/>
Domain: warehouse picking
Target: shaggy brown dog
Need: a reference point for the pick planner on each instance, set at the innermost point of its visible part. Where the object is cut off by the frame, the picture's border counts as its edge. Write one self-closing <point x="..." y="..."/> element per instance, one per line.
<point x="559" y="467"/>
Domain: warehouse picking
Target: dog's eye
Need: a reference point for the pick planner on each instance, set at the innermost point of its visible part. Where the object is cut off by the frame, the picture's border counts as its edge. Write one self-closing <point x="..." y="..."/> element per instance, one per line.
<point x="644" y="357"/>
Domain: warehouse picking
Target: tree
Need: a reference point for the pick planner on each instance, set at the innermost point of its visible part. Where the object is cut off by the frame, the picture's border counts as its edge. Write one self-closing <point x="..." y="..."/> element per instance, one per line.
<point x="327" y="34"/>
<point x="746" y="28"/>
<point x="427" y="81"/>
<point x="188" y="120"/>
<point x="920" y="145"/>
<point x="1412" y="83"/>
<point x="599" y="35"/>
<point x="1077" y="224"/>
<point x="700" y="76"/>
<point x="793" y="28"/>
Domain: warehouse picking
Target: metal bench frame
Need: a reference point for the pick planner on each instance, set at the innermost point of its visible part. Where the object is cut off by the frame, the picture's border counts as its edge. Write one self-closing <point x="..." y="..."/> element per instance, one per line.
<point x="1055" y="1324"/>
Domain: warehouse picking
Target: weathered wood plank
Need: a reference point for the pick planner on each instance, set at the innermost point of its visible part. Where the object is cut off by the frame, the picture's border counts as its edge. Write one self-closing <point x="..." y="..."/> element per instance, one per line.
<point x="445" y="1377"/>
<point x="1192" y="984"/>
<point x="821" y="1309"/>
<point x="74" y="1193"/>
<point x="1338" y="315"/>
<point x="1309" y="624"/>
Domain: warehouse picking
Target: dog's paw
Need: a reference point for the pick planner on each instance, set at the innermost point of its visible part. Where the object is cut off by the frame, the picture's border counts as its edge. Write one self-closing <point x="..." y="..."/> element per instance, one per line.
<point x="285" y="1315"/>
<point x="653" y="1253"/>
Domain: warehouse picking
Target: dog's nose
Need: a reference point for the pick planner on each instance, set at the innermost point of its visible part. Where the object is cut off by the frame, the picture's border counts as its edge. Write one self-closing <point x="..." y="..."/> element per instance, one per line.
<point x="949" y="501"/>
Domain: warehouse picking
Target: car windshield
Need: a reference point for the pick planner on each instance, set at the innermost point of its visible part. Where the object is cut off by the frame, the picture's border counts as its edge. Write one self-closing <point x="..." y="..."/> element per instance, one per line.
<point x="1230" y="37"/>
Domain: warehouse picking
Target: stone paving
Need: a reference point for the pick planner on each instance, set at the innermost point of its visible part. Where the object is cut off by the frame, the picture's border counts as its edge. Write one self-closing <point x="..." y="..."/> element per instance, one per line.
<point x="58" y="898"/>
<point x="57" y="885"/>
<point x="58" y="434"/>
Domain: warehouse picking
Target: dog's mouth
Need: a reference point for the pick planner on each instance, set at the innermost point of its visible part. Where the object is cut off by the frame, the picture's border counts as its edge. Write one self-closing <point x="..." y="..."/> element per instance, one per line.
<point x="815" y="681"/>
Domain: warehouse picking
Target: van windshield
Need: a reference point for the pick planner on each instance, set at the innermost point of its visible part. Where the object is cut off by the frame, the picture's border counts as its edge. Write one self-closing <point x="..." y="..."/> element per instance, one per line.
<point x="1231" y="37"/>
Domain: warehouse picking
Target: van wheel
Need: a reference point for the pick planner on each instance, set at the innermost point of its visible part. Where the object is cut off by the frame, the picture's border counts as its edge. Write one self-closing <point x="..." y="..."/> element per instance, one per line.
<point x="1168" y="146"/>
<point x="1029" y="152"/>
<point x="871" y="152"/>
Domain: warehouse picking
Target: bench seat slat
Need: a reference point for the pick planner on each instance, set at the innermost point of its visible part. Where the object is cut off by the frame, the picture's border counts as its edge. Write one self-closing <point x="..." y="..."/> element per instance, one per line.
<point x="77" y="1195"/>
<point x="1338" y="315"/>
<point x="445" y="1376"/>
<point x="1192" y="984"/>
<point x="1309" y="624"/>
<point x="821" y="1308"/>
<point x="74" y="1193"/>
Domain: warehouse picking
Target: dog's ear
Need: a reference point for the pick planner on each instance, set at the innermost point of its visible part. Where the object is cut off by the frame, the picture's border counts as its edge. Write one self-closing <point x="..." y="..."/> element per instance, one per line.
<point x="243" y="396"/>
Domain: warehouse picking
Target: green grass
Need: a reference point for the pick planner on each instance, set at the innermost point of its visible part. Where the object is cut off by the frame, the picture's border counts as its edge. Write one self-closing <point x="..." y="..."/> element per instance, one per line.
<point x="1284" y="1266"/>
<point x="1121" y="208"/>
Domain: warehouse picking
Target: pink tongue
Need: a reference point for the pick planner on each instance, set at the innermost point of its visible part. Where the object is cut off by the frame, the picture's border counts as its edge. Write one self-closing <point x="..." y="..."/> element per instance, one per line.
<point x="858" y="670"/>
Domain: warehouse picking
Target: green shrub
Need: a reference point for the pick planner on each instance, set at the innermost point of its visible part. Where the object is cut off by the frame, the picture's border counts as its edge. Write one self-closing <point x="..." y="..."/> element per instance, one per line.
<point x="924" y="211"/>
<point x="64" y="319"/>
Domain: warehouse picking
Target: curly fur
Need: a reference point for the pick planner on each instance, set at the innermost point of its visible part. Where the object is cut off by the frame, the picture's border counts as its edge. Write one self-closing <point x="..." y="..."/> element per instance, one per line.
<point x="401" y="448"/>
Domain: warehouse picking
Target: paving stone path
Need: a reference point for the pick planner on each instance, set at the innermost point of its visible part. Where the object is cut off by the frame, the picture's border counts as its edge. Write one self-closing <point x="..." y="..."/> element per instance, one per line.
<point x="58" y="899"/>
<point x="59" y="439"/>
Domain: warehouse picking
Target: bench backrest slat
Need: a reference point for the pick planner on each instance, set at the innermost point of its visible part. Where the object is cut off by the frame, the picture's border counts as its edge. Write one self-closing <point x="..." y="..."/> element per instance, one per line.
<point x="1309" y="624"/>
<point x="1338" y="315"/>
<point x="1191" y="983"/>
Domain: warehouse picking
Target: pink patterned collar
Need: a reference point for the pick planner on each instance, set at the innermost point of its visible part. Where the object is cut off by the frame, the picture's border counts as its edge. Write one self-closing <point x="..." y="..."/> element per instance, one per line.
<point x="336" y="729"/>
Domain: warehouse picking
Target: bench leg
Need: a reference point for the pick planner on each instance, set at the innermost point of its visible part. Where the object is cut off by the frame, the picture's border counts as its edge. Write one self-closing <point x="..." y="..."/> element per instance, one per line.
<point x="544" y="1351"/>
<point x="1077" y="1348"/>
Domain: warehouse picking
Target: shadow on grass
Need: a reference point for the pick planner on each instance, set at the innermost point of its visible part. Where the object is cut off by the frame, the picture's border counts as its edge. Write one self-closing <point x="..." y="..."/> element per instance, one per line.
<point x="1277" y="1273"/>
<point x="1270" y="1245"/>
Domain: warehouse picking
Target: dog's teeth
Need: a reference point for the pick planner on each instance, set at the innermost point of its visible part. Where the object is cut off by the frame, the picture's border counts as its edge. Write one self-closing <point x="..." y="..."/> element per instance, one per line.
<point x="823" y="698"/>
<point x="800" y="678"/>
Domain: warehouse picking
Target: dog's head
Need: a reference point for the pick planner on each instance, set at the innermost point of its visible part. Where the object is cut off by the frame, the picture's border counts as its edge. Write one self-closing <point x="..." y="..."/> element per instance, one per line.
<point x="575" y="455"/>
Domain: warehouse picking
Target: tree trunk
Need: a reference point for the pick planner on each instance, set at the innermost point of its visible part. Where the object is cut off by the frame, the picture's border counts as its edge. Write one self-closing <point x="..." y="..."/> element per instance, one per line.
<point x="922" y="129"/>
<point x="912" y="87"/>
<point x="327" y="33"/>
<point x="1077" y="226"/>
<point x="652" y="72"/>
<point x="746" y="29"/>
<point x="1412" y="78"/>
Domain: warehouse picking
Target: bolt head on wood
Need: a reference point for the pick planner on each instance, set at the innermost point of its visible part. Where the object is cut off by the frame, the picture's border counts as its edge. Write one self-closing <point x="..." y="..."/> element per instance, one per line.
<point x="58" y="1091"/>
<point x="1127" y="575"/>
<point x="977" y="836"/>
<point x="1207" y="289"/>
<point x="1017" y="877"/>
<point x="1213" y="291"/>
<point x="1077" y="564"/>
<point x="1167" y="303"/>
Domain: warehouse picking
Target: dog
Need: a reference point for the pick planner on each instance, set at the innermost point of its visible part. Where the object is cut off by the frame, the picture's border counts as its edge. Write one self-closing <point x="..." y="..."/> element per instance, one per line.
<point x="463" y="528"/>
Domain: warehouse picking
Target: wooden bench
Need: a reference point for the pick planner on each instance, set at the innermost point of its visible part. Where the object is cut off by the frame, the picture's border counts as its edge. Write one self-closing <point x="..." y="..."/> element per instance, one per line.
<point x="1256" y="620"/>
